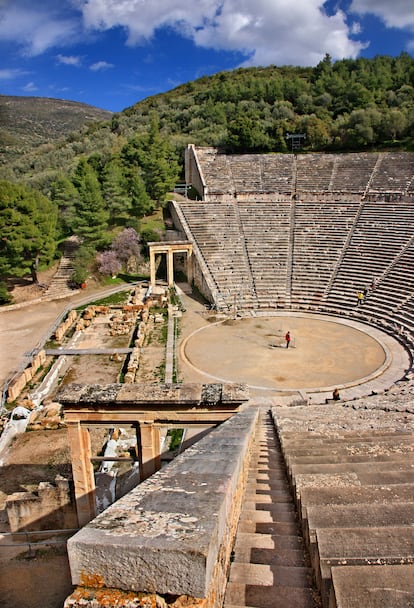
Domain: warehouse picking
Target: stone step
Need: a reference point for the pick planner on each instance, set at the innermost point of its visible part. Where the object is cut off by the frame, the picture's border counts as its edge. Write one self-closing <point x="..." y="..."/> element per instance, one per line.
<point x="262" y="498"/>
<point x="276" y="514"/>
<point x="269" y="484"/>
<point x="364" y="468"/>
<point x="267" y="549"/>
<point x="372" y="587"/>
<point x="279" y="596"/>
<point x="317" y="517"/>
<point x="306" y="440"/>
<point x="271" y="527"/>
<point x="272" y="475"/>
<point x="395" y="443"/>
<point x="343" y="495"/>
<point x="330" y="458"/>
<point x="266" y="575"/>
<point x="359" y="547"/>
<point x="257" y="504"/>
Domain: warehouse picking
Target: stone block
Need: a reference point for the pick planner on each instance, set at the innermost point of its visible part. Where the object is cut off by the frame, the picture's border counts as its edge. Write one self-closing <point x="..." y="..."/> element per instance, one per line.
<point x="174" y="532"/>
<point x="372" y="587"/>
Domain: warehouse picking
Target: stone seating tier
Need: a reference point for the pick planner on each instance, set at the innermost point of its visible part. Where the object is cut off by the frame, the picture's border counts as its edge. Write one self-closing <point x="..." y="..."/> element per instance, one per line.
<point x="284" y="173"/>
<point x="353" y="485"/>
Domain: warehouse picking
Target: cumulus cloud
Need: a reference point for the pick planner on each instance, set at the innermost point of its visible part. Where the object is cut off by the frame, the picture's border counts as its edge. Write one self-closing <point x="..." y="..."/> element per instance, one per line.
<point x="398" y="13"/>
<point x="36" y="27"/>
<point x="101" y="65"/>
<point x="266" y="31"/>
<point x="296" y="32"/>
<point x="74" y="60"/>
<point x="11" y="74"/>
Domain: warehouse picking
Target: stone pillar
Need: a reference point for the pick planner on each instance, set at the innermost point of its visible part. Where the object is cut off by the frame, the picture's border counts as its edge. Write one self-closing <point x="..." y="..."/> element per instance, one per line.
<point x="82" y="470"/>
<point x="190" y="266"/>
<point x="149" y="449"/>
<point x="170" y="268"/>
<point x="152" y="268"/>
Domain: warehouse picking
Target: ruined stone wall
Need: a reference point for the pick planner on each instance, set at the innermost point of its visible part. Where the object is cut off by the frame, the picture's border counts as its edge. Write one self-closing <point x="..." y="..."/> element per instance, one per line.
<point x="51" y="508"/>
<point x="18" y="384"/>
<point x="63" y="328"/>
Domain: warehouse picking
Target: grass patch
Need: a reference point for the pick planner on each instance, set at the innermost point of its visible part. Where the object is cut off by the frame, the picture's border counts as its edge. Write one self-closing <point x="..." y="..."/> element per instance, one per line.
<point x="176" y="436"/>
<point x="154" y="222"/>
<point x="121" y="297"/>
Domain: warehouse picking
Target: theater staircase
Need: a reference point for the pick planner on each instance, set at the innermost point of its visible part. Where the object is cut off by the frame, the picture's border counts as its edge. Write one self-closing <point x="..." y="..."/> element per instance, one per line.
<point x="270" y="568"/>
<point x="328" y="515"/>
<point x="60" y="284"/>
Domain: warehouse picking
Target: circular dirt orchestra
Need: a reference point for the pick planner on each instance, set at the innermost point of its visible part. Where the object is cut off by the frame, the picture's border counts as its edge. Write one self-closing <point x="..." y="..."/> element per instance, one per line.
<point x="324" y="352"/>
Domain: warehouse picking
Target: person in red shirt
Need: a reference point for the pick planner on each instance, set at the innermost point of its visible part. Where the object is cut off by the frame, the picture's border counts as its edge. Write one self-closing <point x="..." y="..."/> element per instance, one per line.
<point x="287" y="338"/>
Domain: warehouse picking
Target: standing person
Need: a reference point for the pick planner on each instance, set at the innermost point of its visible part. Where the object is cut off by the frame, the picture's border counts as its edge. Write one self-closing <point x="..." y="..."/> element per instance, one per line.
<point x="287" y="338"/>
<point x="360" y="298"/>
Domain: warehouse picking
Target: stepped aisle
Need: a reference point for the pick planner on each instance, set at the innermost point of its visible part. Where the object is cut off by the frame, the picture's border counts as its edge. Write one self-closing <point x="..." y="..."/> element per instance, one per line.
<point x="59" y="285"/>
<point x="270" y="567"/>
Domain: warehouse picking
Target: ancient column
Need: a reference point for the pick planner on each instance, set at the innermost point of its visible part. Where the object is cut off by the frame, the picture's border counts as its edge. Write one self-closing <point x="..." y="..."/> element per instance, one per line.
<point x="152" y="267"/>
<point x="82" y="469"/>
<point x="190" y="265"/>
<point x="170" y="268"/>
<point x="149" y="449"/>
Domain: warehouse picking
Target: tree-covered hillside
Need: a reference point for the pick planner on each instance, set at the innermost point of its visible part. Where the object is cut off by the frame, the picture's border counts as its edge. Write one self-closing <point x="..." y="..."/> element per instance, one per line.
<point x="346" y="105"/>
<point x="29" y="122"/>
<point x="105" y="176"/>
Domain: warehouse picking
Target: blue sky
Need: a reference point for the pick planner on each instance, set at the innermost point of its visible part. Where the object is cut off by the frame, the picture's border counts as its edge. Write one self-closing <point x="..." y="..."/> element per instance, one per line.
<point x="113" y="53"/>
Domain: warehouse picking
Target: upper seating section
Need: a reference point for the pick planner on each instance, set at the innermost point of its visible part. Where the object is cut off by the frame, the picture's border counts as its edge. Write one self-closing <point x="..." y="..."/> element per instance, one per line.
<point x="363" y="173"/>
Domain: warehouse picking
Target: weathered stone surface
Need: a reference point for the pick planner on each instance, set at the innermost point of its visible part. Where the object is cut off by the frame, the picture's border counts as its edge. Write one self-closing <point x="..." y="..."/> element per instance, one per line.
<point x="373" y="587"/>
<point x="167" y="535"/>
<point x="194" y="394"/>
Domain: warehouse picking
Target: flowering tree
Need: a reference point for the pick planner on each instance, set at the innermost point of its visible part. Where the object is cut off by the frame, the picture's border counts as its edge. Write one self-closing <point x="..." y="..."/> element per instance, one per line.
<point x="109" y="264"/>
<point x="126" y="245"/>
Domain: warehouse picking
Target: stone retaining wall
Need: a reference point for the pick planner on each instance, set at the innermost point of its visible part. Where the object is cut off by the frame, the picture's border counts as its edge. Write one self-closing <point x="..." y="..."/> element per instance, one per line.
<point x="171" y="536"/>
<point x="20" y="382"/>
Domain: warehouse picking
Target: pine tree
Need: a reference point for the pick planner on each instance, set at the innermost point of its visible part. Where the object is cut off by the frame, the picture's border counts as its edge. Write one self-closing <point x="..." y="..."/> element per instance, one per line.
<point x="159" y="163"/>
<point x="28" y="229"/>
<point x="66" y="197"/>
<point x="115" y="192"/>
<point x="91" y="215"/>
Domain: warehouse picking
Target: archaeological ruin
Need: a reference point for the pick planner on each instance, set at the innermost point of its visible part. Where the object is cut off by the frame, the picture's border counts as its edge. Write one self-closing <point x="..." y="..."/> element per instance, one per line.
<point x="290" y="496"/>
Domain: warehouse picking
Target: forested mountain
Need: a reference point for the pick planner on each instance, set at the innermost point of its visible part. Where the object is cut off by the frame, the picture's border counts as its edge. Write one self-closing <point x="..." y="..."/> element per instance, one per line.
<point x="105" y="176"/>
<point x="29" y="122"/>
<point x="346" y="105"/>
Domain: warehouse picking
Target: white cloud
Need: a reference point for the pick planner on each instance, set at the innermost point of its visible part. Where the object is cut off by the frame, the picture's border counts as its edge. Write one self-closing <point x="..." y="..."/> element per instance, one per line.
<point x="11" y="74"/>
<point x="267" y="31"/>
<point x="398" y="13"/>
<point x="74" y="60"/>
<point x="101" y="65"/>
<point x="298" y="32"/>
<point x="37" y="28"/>
<point x="30" y="87"/>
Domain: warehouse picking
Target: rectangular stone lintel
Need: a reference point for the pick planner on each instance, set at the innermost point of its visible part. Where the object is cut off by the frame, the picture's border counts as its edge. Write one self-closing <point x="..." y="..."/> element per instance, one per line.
<point x="190" y="395"/>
